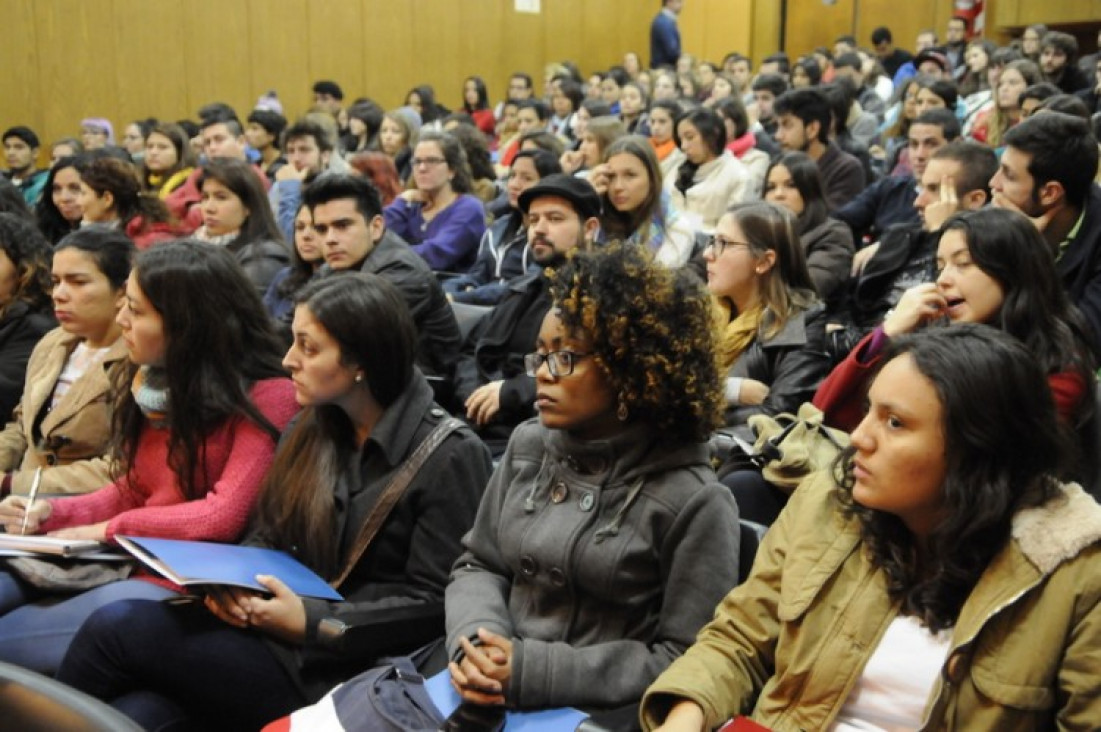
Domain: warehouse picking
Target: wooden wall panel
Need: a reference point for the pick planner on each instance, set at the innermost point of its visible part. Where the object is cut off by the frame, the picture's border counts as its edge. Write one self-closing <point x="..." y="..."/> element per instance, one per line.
<point x="20" y="97"/>
<point x="150" y="61"/>
<point x="811" y="24"/>
<point x="218" y="54"/>
<point x="275" y="28"/>
<point x="389" y="35"/>
<point x="334" y="41"/>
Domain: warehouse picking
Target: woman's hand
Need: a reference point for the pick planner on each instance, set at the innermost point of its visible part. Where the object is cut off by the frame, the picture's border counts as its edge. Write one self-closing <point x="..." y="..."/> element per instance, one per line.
<point x="571" y="161"/>
<point x="917" y="306"/>
<point x="481" y="676"/>
<point x="14" y="508"/>
<point x="229" y="604"/>
<point x="413" y="196"/>
<point x="598" y="177"/>
<point x="752" y="392"/>
<point x="95" y="532"/>
<point x="283" y="614"/>
<point x="685" y="716"/>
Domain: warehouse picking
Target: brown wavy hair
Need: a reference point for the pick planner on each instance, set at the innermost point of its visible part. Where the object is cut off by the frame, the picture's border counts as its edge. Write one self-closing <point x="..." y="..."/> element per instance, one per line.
<point x="651" y="331"/>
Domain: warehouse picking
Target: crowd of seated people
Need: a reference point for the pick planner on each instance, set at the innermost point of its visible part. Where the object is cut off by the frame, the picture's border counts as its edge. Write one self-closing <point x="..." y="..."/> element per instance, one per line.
<point x="247" y="328"/>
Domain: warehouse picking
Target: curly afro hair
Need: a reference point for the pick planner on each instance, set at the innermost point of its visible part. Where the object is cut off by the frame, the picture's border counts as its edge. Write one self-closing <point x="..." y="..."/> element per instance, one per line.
<point x="652" y="335"/>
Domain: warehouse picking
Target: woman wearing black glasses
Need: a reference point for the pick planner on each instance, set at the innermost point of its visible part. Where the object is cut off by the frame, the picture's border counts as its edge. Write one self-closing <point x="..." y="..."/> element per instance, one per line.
<point x="603" y="538"/>
<point x="773" y="328"/>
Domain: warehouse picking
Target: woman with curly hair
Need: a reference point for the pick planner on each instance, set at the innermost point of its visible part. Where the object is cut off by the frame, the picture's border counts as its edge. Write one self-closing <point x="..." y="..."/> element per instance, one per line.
<point x="26" y="313"/>
<point x="603" y="540"/>
<point x="939" y="577"/>
<point x="111" y="194"/>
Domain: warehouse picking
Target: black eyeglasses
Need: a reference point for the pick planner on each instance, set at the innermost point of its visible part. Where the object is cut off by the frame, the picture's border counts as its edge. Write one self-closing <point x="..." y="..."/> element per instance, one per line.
<point x="559" y="363"/>
<point x="720" y="244"/>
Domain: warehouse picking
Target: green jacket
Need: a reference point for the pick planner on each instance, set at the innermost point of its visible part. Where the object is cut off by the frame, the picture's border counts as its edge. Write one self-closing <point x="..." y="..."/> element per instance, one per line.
<point x="787" y="646"/>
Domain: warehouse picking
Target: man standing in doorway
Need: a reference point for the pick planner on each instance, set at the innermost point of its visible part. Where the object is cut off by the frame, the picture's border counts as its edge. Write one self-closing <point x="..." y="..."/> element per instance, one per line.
<point x="665" y="36"/>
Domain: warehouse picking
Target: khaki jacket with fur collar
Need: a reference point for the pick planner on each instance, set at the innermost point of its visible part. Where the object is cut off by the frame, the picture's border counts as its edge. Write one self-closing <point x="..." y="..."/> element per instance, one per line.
<point x="787" y="646"/>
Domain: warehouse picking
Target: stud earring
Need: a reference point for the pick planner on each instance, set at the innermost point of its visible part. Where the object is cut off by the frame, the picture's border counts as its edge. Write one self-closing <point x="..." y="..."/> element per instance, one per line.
<point x="359" y="378"/>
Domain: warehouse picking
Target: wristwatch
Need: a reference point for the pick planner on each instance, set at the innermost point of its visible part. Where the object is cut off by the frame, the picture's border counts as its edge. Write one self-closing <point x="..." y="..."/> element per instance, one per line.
<point x="330" y="632"/>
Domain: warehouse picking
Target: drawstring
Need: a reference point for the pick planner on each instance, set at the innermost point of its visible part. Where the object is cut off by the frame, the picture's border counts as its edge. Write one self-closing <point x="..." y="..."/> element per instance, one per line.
<point x="612" y="529"/>
<point x="529" y="502"/>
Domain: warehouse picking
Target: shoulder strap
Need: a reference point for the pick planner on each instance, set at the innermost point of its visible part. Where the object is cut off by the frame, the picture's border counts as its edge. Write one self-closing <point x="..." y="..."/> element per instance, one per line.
<point x="393" y="492"/>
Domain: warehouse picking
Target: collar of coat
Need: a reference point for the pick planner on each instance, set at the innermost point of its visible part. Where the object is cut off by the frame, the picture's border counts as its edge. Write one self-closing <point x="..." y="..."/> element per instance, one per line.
<point x="1059" y="530"/>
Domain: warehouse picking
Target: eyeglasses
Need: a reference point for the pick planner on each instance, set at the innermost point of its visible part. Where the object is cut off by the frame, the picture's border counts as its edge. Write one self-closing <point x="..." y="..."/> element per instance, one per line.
<point x="559" y="363"/>
<point x="427" y="162"/>
<point x="720" y="244"/>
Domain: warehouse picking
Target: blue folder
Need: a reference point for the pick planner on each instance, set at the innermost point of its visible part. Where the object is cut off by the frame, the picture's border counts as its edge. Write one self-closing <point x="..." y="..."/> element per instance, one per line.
<point x="204" y="563"/>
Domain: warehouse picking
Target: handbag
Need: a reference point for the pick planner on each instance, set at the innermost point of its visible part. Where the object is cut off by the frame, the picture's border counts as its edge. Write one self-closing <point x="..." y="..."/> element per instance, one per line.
<point x="789" y="447"/>
<point x="67" y="575"/>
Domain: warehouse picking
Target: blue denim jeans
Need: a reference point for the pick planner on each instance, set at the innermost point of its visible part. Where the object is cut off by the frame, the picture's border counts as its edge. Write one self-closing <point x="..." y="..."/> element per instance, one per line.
<point x="36" y="627"/>
<point x="169" y="667"/>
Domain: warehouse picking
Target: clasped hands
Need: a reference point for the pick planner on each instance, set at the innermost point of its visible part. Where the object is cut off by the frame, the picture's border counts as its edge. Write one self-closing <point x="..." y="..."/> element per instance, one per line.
<point x="282" y="614"/>
<point x="482" y="674"/>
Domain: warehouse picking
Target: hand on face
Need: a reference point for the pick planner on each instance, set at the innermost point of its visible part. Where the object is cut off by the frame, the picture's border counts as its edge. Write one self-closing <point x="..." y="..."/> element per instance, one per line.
<point x="918" y="305"/>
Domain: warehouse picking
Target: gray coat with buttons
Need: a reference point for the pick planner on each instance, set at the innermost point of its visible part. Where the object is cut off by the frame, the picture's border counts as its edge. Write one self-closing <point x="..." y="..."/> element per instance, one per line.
<point x="600" y="560"/>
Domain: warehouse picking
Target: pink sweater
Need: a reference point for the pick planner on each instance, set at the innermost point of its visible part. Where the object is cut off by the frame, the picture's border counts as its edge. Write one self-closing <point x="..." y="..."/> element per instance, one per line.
<point x="238" y="455"/>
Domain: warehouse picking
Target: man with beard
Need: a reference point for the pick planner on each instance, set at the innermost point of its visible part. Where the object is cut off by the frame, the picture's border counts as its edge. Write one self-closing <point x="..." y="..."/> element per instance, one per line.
<point x="308" y="149"/>
<point x="562" y="213"/>
<point x="1059" y="62"/>
<point x="1046" y="173"/>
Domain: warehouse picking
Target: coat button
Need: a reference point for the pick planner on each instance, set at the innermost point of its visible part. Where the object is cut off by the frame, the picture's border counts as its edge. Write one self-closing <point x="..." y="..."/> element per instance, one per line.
<point x="528" y="565"/>
<point x="559" y="492"/>
<point x="557" y="577"/>
<point x="957" y="667"/>
<point x="587" y="502"/>
<point x="437" y="413"/>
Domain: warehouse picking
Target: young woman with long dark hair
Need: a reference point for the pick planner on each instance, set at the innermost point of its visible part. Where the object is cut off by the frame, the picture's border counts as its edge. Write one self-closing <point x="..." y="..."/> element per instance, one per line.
<point x="940" y="576"/>
<point x="193" y="433"/>
<point x="111" y="194"/>
<point x="366" y="410"/>
<point x="237" y="215"/>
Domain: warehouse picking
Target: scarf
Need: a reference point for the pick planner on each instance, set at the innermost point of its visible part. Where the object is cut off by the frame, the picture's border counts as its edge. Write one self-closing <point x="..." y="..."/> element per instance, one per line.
<point x="223" y="240"/>
<point x="737" y="333"/>
<point x="663" y="149"/>
<point x="150" y="390"/>
<point x="743" y="144"/>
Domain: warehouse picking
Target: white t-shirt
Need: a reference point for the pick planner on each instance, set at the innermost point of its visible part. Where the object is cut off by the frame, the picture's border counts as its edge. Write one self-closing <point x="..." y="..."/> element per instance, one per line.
<point x="80" y="360"/>
<point x="891" y="693"/>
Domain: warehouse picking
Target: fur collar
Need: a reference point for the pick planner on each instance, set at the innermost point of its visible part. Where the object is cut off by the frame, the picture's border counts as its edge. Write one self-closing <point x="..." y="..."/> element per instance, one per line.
<point x="1059" y="530"/>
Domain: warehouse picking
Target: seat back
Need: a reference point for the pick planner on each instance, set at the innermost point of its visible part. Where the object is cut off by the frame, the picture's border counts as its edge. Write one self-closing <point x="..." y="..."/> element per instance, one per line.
<point x="468" y="316"/>
<point x="31" y="702"/>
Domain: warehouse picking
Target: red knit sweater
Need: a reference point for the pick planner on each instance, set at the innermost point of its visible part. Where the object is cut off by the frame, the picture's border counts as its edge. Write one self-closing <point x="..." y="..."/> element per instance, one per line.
<point x="238" y="455"/>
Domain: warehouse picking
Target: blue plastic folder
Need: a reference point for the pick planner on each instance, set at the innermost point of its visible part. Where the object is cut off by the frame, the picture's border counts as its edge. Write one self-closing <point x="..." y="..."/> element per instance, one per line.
<point x="204" y="563"/>
<point x="447" y="700"/>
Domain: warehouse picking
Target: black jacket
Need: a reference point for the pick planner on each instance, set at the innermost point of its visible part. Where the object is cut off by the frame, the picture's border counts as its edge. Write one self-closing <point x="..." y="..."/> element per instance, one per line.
<point x="886" y="202"/>
<point x="1080" y="267"/>
<point x="406" y="567"/>
<point x="872" y="294"/>
<point x="792" y="363"/>
<point x="438" y="339"/>
<point x="495" y="351"/>
<point x="20" y="330"/>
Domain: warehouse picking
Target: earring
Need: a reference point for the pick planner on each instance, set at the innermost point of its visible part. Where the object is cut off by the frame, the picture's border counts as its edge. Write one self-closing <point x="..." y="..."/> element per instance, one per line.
<point x="359" y="378"/>
<point x="621" y="412"/>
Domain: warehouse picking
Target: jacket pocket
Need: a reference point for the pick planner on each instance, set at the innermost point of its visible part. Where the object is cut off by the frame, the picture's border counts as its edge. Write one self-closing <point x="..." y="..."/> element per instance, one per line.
<point x="1009" y="692"/>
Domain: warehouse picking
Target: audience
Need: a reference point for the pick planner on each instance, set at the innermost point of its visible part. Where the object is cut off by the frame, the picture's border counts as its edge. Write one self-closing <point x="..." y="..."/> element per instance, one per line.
<point x="193" y="436"/>
<point x="872" y="227"/>
<point x="366" y="412"/>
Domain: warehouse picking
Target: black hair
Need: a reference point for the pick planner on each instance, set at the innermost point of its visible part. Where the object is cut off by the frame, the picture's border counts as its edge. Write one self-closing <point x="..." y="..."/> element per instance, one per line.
<point x="483" y="94"/>
<point x="1062" y="149"/>
<point x="12" y="201"/>
<point x="272" y="122"/>
<point x="1067" y="104"/>
<point x="946" y="89"/>
<point x="233" y="125"/>
<point x="336" y="187"/>
<point x="110" y="249"/>
<point x="50" y="221"/>
<point x="26" y="134"/>
<point x="538" y="105"/>
<point x="882" y="34"/>
<point x="808" y="105"/>
<point x="945" y="119"/>
<point x="219" y="340"/>
<point x="811" y="68"/>
<point x="30" y="254"/>
<point x="306" y="128"/>
<point x="808" y="181"/>
<point x="219" y="111"/>
<point x="770" y="82"/>
<point x="545" y="162"/>
<point x="244" y="182"/>
<point x="331" y="88"/>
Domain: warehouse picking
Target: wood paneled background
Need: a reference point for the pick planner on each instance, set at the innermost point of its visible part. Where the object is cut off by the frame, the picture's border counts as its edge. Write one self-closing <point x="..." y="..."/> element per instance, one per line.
<point x="123" y="59"/>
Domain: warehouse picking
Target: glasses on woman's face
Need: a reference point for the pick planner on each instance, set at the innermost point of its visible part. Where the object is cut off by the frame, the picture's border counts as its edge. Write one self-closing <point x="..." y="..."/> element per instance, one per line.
<point x="720" y="244"/>
<point x="427" y="162"/>
<point x="559" y="363"/>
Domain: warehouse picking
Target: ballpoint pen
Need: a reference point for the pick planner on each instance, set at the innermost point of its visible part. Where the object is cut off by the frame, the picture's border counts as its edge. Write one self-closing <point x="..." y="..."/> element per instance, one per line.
<point x="30" y="499"/>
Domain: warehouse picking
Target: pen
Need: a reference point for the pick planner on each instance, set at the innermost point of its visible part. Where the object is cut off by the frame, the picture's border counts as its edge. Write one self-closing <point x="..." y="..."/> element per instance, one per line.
<point x="30" y="500"/>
